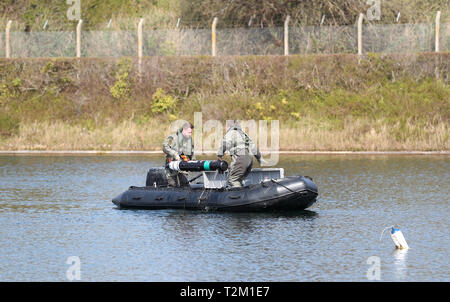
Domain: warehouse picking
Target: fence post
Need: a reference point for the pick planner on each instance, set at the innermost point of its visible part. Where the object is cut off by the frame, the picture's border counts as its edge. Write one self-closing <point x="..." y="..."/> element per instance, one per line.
<point x="213" y="36"/>
<point x="7" y="45"/>
<point x="140" y="43"/>
<point x="360" y="21"/>
<point x="438" y="19"/>
<point x="286" y="36"/>
<point x="79" y="38"/>
<point x="141" y="22"/>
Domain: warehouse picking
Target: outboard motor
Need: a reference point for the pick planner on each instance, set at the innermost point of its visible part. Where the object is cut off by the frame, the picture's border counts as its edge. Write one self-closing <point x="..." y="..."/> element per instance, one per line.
<point x="156" y="177"/>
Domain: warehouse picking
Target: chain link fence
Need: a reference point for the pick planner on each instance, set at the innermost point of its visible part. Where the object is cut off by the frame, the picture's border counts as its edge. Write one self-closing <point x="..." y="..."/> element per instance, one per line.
<point x="2" y="45"/>
<point x="444" y="38"/>
<point x="251" y="41"/>
<point x="183" y="42"/>
<point x="388" y="38"/>
<point x="323" y="39"/>
<point x="399" y="38"/>
<point x="42" y="44"/>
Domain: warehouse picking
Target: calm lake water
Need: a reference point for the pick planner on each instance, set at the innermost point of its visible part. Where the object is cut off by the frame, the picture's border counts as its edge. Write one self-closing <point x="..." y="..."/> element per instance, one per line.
<point x="54" y="207"/>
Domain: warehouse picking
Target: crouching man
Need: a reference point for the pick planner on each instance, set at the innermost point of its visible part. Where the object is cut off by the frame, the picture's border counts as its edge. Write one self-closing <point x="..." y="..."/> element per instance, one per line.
<point x="179" y="146"/>
<point x="242" y="149"/>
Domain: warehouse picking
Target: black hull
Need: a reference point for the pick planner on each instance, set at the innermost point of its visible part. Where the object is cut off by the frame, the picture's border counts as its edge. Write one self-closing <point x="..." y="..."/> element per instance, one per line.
<point x="286" y="194"/>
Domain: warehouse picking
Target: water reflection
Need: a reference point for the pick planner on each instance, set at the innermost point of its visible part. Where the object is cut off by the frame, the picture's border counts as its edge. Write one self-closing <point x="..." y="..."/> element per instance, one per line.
<point x="225" y="223"/>
<point x="400" y="263"/>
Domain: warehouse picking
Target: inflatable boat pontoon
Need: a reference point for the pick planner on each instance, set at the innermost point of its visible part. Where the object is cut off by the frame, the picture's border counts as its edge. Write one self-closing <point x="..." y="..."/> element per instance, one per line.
<point x="265" y="189"/>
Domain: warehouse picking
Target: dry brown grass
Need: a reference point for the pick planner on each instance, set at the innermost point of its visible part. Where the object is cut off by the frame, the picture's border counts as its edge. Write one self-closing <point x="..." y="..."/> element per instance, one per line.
<point x="58" y="135"/>
<point x="363" y="135"/>
<point x="307" y="135"/>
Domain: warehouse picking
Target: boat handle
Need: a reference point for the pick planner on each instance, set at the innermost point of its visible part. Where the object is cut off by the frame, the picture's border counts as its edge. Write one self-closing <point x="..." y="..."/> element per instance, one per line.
<point x="235" y="197"/>
<point x="159" y="198"/>
<point x="181" y="198"/>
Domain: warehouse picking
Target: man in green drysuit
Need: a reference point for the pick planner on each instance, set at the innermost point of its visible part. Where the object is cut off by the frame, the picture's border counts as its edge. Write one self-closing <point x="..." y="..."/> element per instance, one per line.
<point x="179" y="146"/>
<point x="242" y="149"/>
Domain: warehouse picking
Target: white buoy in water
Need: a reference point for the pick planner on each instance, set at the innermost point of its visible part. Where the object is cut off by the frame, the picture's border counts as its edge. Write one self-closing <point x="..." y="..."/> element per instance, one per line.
<point x="398" y="238"/>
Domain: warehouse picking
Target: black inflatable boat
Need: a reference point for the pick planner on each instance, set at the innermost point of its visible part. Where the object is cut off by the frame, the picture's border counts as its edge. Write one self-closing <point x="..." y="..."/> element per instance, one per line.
<point x="264" y="189"/>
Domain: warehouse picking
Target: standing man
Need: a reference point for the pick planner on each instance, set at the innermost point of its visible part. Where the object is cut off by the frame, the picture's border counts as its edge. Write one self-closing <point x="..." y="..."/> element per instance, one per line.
<point x="242" y="149"/>
<point x="178" y="146"/>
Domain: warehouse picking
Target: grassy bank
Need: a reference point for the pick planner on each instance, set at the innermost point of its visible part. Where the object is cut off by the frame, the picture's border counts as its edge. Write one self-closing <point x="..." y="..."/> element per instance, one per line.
<point x="323" y="102"/>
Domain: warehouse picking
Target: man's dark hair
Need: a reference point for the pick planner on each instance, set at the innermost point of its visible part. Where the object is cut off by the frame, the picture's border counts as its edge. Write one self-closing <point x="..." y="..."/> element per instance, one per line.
<point x="188" y="125"/>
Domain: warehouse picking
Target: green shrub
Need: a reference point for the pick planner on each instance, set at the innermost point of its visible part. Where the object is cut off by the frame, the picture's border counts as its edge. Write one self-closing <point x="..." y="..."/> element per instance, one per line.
<point x="55" y="77"/>
<point x="121" y="87"/>
<point x="9" y="90"/>
<point x="163" y="102"/>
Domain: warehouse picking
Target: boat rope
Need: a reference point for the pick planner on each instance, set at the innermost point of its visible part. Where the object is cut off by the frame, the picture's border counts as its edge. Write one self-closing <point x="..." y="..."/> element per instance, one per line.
<point x="195" y="177"/>
<point x="273" y="180"/>
<point x="385" y="230"/>
<point x="201" y="195"/>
